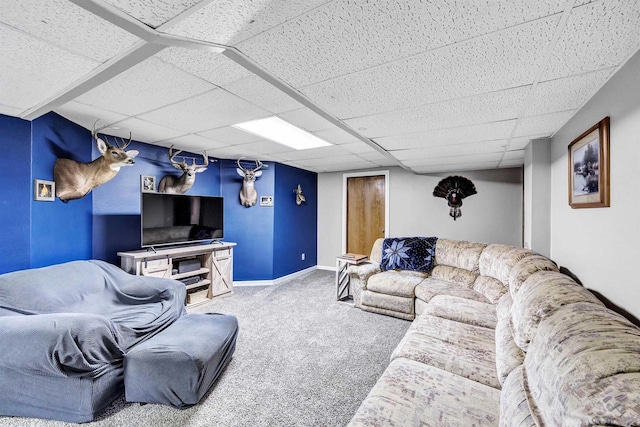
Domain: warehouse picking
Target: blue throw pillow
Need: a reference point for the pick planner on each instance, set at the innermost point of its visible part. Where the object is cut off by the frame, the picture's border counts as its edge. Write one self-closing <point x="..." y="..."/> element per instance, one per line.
<point x="408" y="253"/>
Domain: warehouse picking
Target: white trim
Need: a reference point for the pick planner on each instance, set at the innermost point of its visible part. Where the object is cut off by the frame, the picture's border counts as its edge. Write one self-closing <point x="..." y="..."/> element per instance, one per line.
<point x="326" y="267"/>
<point x="344" y="201"/>
<point x="273" y="282"/>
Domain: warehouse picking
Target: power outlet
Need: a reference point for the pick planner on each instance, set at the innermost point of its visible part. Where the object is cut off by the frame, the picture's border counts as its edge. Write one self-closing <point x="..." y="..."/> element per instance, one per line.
<point x="303" y="256"/>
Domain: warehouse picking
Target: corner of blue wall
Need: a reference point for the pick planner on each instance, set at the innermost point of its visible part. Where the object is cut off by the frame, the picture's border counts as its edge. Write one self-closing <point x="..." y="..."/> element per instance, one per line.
<point x="16" y="194"/>
<point x="295" y="226"/>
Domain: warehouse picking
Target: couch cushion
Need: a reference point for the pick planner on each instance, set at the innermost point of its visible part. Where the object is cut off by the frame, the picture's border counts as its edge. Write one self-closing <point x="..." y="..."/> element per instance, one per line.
<point x="459" y="253"/>
<point x="497" y="260"/>
<point x="491" y="288"/>
<point x="388" y="302"/>
<point x="526" y="267"/>
<point x="590" y="354"/>
<point x="462" y="310"/>
<point x="508" y="355"/>
<point x="455" y="275"/>
<point x="413" y="394"/>
<point x="514" y="407"/>
<point x="399" y="283"/>
<point x="431" y="287"/>
<point x="540" y="295"/>
<point x="376" y="251"/>
<point x="459" y="348"/>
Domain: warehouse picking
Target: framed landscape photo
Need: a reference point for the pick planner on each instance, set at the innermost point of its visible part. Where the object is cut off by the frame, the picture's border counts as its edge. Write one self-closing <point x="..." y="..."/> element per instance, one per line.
<point x="44" y="190"/>
<point x="147" y="183"/>
<point x="589" y="168"/>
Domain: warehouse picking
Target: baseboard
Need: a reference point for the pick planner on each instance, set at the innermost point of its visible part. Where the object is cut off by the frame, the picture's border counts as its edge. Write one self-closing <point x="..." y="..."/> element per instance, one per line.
<point x="326" y="267"/>
<point x="274" y="281"/>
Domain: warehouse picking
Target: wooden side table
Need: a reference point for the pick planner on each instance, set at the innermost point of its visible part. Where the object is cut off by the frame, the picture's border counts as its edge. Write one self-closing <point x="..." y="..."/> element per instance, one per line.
<point x="343" y="291"/>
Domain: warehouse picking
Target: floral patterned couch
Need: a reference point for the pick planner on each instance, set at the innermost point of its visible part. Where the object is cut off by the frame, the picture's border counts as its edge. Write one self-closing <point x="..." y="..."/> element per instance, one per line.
<point x="538" y="350"/>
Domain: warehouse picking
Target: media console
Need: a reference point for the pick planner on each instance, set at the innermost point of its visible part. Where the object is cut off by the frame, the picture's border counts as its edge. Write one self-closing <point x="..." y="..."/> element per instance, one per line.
<point x="213" y="278"/>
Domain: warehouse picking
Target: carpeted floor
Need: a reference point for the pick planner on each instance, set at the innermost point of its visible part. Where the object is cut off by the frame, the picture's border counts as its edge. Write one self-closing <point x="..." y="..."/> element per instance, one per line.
<point x="302" y="359"/>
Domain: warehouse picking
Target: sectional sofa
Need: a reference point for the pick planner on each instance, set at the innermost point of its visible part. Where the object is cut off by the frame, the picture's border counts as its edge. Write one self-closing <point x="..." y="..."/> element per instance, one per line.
<point x="499" y="337"/>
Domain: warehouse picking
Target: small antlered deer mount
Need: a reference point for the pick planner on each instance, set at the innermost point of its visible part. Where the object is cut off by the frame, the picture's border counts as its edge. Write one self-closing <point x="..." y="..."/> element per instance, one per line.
<point x="248" y="194"/>
<point x="75" y="179"/>
<point x="181" y="184"/>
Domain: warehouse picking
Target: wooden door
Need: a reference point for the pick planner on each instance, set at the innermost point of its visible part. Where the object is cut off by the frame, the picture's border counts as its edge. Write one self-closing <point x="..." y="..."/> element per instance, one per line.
<point x="365" y="212"/>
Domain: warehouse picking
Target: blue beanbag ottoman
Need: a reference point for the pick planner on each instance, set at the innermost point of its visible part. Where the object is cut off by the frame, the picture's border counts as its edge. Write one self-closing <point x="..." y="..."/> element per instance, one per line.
<point x="177" y="366"/>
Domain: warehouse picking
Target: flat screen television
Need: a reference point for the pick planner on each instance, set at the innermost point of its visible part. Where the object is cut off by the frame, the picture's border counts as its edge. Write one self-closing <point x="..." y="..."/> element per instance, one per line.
<point x="173" y="219"/>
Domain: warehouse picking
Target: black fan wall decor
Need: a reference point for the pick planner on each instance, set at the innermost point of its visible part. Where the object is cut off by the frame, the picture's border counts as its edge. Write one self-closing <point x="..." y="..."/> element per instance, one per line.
<point x="454" y="189"/>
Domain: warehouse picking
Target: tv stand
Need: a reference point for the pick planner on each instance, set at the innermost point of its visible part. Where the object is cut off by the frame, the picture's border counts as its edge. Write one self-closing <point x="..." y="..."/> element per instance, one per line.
<point x="214" y="278"/>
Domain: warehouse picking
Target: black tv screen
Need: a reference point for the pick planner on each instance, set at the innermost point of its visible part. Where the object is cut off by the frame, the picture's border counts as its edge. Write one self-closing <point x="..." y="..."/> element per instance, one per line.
<point x="171" y="219"/>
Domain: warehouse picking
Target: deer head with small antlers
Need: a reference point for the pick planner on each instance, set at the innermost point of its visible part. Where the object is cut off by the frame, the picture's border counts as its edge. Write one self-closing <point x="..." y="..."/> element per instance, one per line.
<point x="75" y="179"/>
<point x="248" y="194"/>
<point x="181" y="184"/>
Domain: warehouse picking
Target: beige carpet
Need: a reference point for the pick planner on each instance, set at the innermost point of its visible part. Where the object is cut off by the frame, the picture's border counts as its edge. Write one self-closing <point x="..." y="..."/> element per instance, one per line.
<point x="302" y="359"/>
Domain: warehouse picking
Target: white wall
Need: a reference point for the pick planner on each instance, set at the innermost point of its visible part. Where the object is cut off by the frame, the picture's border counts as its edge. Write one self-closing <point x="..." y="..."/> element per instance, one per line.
<point x="537" y="206"/>
<point x="494" y="215"/>
<point x="600" y="245"/>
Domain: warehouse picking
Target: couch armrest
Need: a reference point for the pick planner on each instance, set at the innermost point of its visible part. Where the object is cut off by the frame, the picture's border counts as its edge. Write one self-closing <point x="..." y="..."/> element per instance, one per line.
<point x="358" y="276"/>
<point x="60" y="344"/>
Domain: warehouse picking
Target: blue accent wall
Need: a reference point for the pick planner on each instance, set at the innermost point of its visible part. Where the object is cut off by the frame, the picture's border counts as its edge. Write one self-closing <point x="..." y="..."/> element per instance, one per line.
<point x="270" y="239"/>
<point x="15" y="200"/>
<point x="60" y="231"/>
<point x="251" y="228"/>
<point x="295" y="227"/>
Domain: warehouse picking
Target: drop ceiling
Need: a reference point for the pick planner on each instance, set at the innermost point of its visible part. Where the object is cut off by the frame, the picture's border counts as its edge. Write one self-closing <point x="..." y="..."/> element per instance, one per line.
<point x="431" y="86"/>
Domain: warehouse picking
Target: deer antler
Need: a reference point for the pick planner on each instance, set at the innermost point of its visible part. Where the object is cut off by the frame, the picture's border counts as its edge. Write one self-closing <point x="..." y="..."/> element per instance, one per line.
<point x="172" y="155"/>
<point x="206" y="160"/>
<point x="258" y="166"/>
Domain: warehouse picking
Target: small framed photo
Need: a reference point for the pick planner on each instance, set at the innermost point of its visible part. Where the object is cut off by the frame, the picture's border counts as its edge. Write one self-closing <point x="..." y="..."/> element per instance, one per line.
<point x="147" y="183"/>
<point x="589" y="168"/>
<point x="266" y="200"/>
<point x="44" y="191"/>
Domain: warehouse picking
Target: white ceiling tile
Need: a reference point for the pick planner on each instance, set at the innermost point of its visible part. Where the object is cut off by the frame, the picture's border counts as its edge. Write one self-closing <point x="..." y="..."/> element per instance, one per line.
<point x="147" y="86"/>
<point x="144" y="131"/>
<point x="192" y="143"/>
<point x="306" y="119"/>
<point x="230" y="135"/>
<point x="328" y="161"/>
<point x="230" y="21"/>
<point x="337" y="136"/>
<point x="68" y="27"/>
<point x="496" y="146"/>
<point x="497" y="61"/>
<point x="543" y="125"/>
<point x="263" y="94"/>
<point x="345" y="167"/>
<point x="210" y="110"/>
<point x="379" y="159"/>
<point x="10" y="111"/>
<point x="568" y="93"/>
<point x="210" y="66"/>
<point x="153" y="12"/>
<point x="233" y="152"/>
<point x="476" y="158"/>
<point x="267" y="147"/>
<point x="521" y="142"/>
<point x="328" y="153"/>
<point x="86" y="115"/>
<point x="358" y="148"/>
<point x="455" y="167"/>
<point x="33" y="71"/>
<point x="599" y="35"/>
<point x="484" y="108"/>
<point x="513" y="155"/>
<point x="348" y="36"/>
<point x="460" y="135"/>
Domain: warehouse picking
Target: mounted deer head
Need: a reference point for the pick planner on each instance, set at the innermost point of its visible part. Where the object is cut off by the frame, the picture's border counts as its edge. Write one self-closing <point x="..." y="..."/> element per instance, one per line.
<point x="300" y="199"/>
<point x="181" y="184"/>
<point x="248" y="194"/>
<point x="75" y="179"/>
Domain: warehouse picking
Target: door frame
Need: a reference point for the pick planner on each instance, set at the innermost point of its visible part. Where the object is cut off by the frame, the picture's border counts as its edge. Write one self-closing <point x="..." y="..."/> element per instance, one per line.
<point x="345" y="176"/>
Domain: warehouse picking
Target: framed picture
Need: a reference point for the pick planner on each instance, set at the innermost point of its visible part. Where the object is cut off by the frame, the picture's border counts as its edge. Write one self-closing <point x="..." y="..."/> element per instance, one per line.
<point x="589" y="168"/>
<point x="266" y="200"/>
<point x="147" y="184"/>
<point x="44" y="191"/>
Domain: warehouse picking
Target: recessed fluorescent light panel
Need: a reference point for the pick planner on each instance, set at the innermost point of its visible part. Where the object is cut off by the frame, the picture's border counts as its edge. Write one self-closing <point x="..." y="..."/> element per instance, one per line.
<point x="277" y="130"/>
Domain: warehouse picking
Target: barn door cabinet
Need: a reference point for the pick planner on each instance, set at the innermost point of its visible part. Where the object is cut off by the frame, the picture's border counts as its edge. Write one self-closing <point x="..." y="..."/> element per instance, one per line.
<point x="206" y="270"/>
